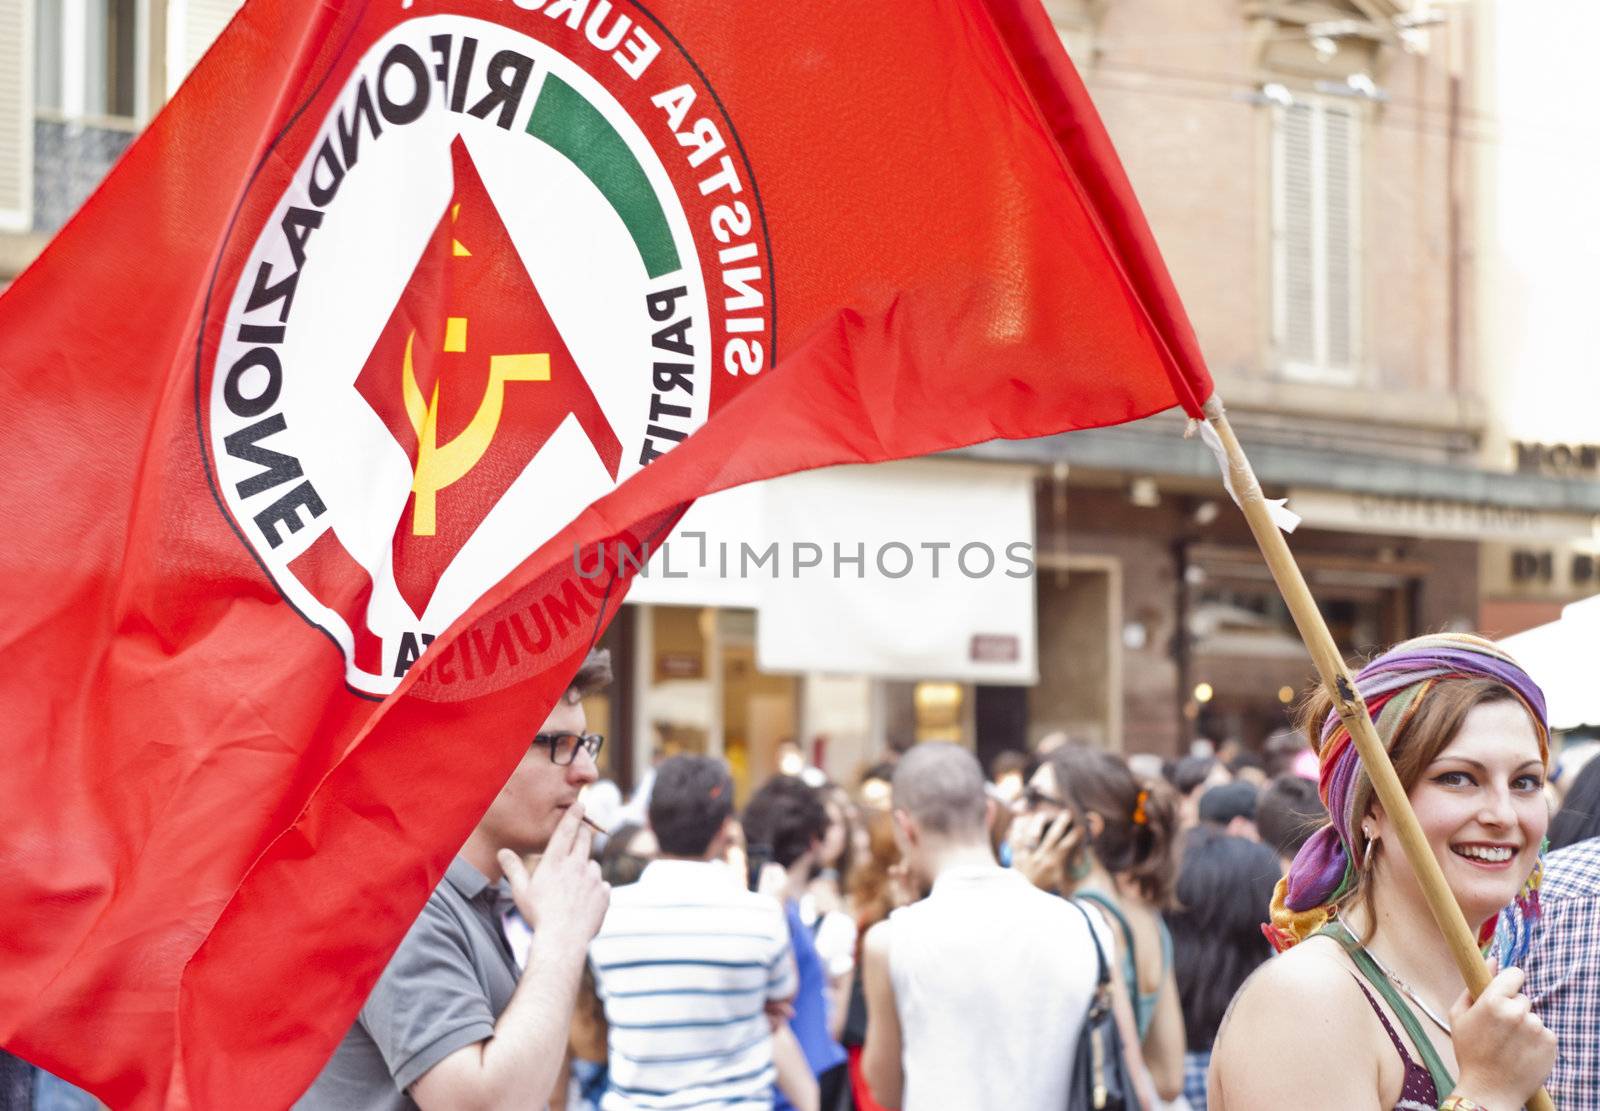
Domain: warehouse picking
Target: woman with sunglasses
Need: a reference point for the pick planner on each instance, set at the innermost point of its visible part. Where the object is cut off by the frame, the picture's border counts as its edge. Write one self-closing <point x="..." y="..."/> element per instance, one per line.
<point x="1095" y="832"/>
<point x="1365" y="1006"/>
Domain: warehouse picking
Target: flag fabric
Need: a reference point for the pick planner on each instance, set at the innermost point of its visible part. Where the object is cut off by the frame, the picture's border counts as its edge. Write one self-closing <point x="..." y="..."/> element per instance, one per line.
<point x="392" y="310"/>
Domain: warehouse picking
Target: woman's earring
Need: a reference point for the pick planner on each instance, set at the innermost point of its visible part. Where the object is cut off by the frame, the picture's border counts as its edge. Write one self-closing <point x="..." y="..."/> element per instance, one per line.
<point x="1366" y="857"/>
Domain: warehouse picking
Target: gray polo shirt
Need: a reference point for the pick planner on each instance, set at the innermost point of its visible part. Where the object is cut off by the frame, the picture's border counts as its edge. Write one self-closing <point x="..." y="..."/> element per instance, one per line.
<point x="443" y="989"/>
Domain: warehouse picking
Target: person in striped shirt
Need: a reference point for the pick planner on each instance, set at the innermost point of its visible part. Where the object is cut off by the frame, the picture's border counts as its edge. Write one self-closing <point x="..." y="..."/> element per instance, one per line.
<point x="693" y="971"/>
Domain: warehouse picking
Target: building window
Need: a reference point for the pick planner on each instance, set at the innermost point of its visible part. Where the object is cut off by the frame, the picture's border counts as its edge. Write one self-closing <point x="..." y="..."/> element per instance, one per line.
<point x="87" y="59"/>
<point x="87" y="98"/>
<point x="1316" y="225"/>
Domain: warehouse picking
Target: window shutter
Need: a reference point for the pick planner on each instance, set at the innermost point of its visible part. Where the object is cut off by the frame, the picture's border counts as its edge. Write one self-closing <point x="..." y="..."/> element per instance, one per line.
<point x="16" y="115"/>
<point x="1295" y="298"/>
<point x="192" y="26"/>
<point x="1341" y="192"/>
<point x="1316" y="236"/>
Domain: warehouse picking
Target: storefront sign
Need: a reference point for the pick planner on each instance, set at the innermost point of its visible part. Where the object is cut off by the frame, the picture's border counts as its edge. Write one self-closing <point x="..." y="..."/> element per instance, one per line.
<point x="679" y="665"/>
<point x="1533" y="572"/>
<point x="1558" y="460"/>
<point x="1436" y="517"/>
<point x="990" y="648"/>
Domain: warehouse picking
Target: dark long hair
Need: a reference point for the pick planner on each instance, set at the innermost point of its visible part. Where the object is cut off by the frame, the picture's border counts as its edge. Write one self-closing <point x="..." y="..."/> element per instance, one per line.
<point x="837" y="797"/>
<point x="1138" y="838"/>
<point x="1579" y="816"/>
<point x="1224" y="888"/>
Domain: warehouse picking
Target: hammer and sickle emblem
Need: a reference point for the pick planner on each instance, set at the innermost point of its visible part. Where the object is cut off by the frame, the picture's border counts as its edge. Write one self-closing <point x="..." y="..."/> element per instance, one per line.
<point x="438" y="465"/>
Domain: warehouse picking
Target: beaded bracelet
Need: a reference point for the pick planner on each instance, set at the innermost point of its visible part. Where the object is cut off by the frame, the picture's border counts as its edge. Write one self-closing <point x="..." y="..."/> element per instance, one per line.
<point x="1461" y="1103"/>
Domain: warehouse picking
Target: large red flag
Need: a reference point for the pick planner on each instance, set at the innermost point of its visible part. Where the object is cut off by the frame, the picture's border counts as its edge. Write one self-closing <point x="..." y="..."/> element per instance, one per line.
<point x="388" y="296"/>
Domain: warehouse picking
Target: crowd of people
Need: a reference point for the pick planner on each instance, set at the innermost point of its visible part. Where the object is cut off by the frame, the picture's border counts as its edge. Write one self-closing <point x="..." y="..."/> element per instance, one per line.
<point x="1075" y="929"/>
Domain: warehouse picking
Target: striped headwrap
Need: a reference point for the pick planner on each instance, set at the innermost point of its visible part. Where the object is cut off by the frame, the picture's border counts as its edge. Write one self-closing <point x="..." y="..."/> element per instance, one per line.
<point x="1394" y="686"/>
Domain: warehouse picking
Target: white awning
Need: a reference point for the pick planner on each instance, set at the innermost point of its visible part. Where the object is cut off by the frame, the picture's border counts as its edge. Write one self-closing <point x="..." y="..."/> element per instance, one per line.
<point x="926" y="572"/>
<point x="1560" y="658"/>
<point x="921" y="569"/>
<point x="684" y="571"/>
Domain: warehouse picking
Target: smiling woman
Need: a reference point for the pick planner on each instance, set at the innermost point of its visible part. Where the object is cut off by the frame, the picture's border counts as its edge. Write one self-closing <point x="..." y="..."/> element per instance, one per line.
<point x="1457" y="740"/>
<point x="1480" y="802"/>
<point x="1465" y="729"/>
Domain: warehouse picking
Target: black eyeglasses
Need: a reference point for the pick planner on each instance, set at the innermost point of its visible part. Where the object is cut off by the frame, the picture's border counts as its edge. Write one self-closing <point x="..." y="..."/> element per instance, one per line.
<point x="563" y="747"/>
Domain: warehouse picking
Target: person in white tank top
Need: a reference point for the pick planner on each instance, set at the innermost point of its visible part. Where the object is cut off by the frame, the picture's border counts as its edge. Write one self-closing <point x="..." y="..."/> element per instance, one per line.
<point x="976" y="994"/>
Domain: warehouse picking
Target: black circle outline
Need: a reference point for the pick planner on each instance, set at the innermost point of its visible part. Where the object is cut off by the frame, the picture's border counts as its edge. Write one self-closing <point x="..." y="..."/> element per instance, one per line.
<point x="233" y="221"/>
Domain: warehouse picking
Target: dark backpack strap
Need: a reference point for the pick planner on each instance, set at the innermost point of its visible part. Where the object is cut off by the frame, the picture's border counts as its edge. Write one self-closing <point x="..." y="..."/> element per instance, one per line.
<point x="1099" y="1067"/>
<point x="1123" y="924"/>
<point x="1103" y="975"/>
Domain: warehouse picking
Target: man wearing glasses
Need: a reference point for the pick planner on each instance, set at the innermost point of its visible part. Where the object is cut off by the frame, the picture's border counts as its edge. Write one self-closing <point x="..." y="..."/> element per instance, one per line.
<point x="449" y="1024"/>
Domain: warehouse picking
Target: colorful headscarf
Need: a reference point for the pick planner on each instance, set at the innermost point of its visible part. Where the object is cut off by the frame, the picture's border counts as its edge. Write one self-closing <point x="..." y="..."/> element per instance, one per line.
<point x="1394" y="686"/>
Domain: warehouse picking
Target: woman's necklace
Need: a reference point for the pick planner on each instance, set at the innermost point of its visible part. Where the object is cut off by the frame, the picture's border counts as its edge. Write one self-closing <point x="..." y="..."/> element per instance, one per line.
<point x="1406" y="990"/>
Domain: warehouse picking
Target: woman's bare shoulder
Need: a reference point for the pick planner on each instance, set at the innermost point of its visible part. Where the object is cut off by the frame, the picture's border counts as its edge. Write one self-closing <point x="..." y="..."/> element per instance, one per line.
<point x="1315" y="964"/>
<point x="1309" y="988"/>
<point x="1305" y="997"/>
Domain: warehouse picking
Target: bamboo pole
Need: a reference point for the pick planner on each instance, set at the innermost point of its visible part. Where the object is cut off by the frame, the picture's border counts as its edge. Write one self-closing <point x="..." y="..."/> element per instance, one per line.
<point x="1352" y="710"/>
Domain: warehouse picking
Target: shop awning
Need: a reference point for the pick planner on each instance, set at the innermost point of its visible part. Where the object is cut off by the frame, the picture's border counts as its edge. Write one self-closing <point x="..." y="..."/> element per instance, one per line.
<point x="1560" y="657"/>
<point x="683" y="569"/>
<point x="1156" y="447"/>
<point x="912" y="570"/>
<point x="944" y="587"/>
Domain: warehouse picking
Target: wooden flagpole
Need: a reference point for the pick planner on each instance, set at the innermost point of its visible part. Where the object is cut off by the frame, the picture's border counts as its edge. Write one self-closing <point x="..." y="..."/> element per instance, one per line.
<point x="1352" y="710"/>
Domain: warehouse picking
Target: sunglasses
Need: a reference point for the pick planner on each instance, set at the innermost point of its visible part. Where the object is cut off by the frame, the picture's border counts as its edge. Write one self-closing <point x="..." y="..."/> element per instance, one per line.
<point x="1033" y="799"/>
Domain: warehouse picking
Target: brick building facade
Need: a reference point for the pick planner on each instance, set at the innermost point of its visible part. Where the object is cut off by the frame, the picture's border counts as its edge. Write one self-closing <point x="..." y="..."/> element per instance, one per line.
<point x="1309" y="172"/>
<point x="1309" y="169"/>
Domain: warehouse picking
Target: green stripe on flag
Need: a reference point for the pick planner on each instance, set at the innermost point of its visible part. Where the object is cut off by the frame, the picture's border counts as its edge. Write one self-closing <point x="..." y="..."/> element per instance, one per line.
<point x="573" y="126"/>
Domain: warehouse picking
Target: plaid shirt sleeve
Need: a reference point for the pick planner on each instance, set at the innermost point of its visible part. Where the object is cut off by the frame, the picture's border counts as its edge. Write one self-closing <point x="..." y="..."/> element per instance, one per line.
<point x="1563" y="969"/>
<point x="1195" y="1067"/>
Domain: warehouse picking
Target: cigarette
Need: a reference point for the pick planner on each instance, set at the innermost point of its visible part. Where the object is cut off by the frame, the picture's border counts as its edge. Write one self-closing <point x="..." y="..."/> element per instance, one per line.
<point x="596" y="826"/>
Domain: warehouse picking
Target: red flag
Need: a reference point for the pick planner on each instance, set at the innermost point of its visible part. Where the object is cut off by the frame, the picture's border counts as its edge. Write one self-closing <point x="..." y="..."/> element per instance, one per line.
<point x="386" y="297"/>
